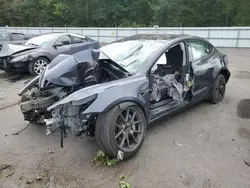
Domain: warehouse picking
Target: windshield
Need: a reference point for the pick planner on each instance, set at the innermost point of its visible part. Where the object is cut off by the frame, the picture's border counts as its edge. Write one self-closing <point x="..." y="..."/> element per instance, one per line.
<point x="131" y="54"/>
<point x="3" y="36"/>
<point x="41" y="40"/>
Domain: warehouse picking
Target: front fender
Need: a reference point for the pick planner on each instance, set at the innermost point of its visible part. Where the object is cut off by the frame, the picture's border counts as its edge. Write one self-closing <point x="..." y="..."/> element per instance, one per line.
<point x="41" y="53"/>
<point x="108" y="94"/>
<point x="29" y="85"/>
<point x="129" y="92"/>
<point x="129" y="101"/>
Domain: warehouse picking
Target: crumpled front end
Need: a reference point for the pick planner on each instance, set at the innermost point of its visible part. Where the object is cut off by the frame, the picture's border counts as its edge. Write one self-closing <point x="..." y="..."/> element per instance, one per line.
<point x="34" y="103"/>
<point x="70" y="116"/>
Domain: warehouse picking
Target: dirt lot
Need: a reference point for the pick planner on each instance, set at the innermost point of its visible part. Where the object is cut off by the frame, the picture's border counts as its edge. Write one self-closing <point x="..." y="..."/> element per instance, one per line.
<point x="213" y="142"/>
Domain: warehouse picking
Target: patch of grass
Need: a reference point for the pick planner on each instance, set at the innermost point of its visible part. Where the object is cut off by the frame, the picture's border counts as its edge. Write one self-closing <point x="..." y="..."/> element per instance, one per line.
<point x="102" y="159"/>
<point x="122" y="183"/>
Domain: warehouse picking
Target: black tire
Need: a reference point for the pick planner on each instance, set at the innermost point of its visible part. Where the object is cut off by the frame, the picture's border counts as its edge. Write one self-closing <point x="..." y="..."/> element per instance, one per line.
<point x="218" y="90"/>
<point x="106" y="127"/>
<point x="32" y="65"/>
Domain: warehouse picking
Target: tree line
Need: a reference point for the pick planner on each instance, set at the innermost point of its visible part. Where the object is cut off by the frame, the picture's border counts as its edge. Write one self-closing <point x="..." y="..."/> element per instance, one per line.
<point x="124" y="13"/>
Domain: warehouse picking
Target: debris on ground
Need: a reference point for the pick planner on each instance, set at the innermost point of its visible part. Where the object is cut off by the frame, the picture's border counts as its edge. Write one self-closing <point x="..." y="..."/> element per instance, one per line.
<point x="51" y="151"/>
<point x="122" y="183"/>
<point x="39" y="178"/>
<point x="247" y="163"/>
<point x="120" y="155"/>
<point x="102" y="159"/>
<point x="29" y="181"/>
<point x="21" y="130"/>
<point x="2" y="167"/>
<point x="5" y="171"/>
<point x="6" y="175"/>
<point x="174" y="142"/>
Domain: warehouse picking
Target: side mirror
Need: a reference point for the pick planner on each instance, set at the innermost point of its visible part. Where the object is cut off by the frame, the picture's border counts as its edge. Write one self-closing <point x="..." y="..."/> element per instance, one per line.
<point x="207" y="51"/>
<point x="57" y="44"/>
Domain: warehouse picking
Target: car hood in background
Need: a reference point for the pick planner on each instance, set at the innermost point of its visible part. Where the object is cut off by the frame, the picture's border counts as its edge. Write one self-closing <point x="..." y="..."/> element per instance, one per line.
<point x="10" y="49"/>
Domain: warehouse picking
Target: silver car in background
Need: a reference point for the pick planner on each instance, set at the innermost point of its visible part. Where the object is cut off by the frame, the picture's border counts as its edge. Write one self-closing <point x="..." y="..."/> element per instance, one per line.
<point x="13" y="38"/>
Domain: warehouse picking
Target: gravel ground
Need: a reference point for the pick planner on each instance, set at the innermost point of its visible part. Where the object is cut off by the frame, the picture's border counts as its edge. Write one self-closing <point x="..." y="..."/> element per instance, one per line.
<point x="212" y="143"/>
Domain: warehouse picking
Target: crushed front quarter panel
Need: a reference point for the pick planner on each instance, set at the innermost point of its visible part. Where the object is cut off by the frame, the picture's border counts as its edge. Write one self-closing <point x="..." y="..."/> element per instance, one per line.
<point x="127" y="89"/>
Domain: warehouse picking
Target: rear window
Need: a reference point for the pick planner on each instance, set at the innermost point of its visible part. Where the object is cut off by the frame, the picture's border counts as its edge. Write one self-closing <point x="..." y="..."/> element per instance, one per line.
<point x="16" y="36"/>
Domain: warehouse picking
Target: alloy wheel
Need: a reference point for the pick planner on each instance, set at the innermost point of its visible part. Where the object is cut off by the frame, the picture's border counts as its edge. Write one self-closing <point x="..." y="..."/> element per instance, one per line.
<point x="129" y="130"/>
<point x="220" y="90"/>
<point x="39" y="66"/>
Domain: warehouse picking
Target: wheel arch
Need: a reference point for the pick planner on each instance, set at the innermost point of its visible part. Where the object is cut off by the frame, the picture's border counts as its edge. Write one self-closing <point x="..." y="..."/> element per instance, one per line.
<point x="225" y="72"/>
<point x="43" y="56"/>
<point x="128" y="101"/>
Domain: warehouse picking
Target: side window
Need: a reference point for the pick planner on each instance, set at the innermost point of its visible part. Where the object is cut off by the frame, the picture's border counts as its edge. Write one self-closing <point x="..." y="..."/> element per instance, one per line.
<point x="199" y="49"/>
<point x="78" y="39"/>
<point x="171" y="61"/>
<point x="161" y="61"/>
<point x="66" y="40"/>
<point x="16" y="36"/>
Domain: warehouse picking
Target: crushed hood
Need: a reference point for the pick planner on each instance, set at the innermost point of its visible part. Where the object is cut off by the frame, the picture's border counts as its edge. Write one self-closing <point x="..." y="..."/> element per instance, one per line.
<point x="10" y="49"/>
<point x="65" y="70"/>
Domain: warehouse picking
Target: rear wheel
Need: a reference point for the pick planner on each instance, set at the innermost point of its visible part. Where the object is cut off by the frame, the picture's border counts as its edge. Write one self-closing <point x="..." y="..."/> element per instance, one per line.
<point x="218" y="90"/>
<point x="121" y="130"/>
<point x="37" y="66"/>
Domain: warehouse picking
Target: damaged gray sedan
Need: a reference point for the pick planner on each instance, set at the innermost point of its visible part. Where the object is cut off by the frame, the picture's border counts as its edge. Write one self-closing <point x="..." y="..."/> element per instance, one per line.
<point x="115" y="92"/>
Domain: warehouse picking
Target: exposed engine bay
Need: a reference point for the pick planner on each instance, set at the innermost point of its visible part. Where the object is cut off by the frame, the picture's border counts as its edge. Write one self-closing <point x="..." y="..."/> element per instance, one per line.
<point x="65" y="75"/>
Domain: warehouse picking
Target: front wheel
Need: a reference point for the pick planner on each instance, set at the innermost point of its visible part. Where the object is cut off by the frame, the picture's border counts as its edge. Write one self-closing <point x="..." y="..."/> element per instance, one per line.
<point x="121" y="130"/>
<point x="218" y="90"/>
<point x="37" y="66"/>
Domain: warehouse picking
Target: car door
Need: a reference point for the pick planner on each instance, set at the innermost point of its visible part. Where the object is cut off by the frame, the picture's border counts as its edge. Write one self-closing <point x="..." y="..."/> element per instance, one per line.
<point x="168" y="105"/>
<point x="64" y="46"/>
<point x="80" y="43"/>
<point x="201" y="61"/>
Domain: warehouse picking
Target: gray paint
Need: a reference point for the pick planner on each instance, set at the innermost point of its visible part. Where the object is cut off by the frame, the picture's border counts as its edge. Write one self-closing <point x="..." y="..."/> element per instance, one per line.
<point x="135" y="88"/>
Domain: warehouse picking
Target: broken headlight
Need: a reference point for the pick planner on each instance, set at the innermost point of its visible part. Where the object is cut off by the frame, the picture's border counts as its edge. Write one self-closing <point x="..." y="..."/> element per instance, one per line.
<point x="19" y="58"/>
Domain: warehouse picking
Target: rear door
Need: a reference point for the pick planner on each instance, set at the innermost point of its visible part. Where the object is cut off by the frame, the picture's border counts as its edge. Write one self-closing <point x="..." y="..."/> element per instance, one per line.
<point x="80" y="43"/>
<point x="202" y="64"/>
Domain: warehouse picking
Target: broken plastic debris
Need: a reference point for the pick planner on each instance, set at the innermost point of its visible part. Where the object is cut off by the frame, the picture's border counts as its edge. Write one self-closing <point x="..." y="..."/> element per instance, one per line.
<point x="29" y="181"/>
<point x="39" y="178"/>
<point x="51" y="151"/>
<point x="180" y="145"/>
<point x="120" y="155"/>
